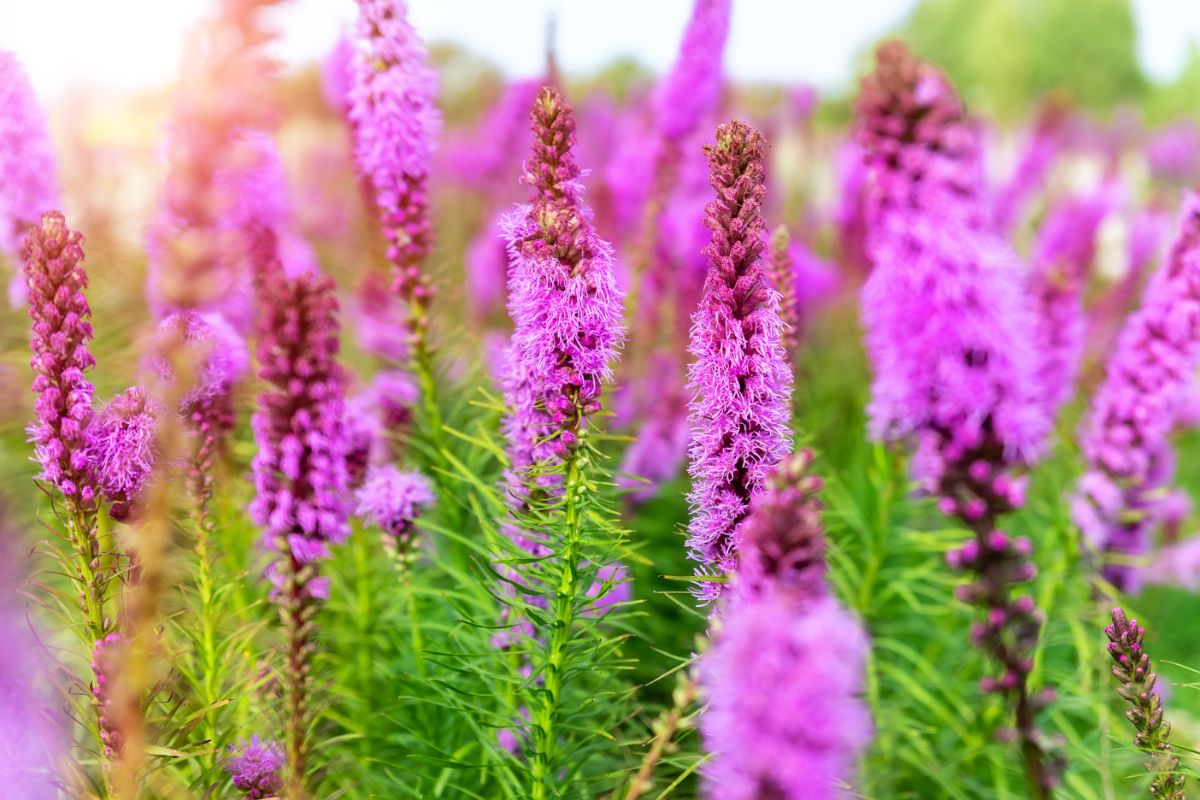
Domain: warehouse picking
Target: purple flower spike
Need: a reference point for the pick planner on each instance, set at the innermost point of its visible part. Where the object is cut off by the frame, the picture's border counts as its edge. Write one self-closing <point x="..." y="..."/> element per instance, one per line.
<point x="740" y="378"/>
<point x="783" y="540"/>
<point x="1147" y="384"/>
<point x="106" y="659"/>
<point x="59" y="310"/>
<point x="1133" y="670"/>
<point x="256" y="767"/>
<point x="395" y="123"/>
<point x="1062" y="256"/>
<point x="692" y="88"/>
<point x="950" y="334"/>
<point x="26" y="157"/>
<point x="121" y="447"/>
<point x="784" y="716"/>
<point x="393" y="500"/>
<point x="563" y="297"/>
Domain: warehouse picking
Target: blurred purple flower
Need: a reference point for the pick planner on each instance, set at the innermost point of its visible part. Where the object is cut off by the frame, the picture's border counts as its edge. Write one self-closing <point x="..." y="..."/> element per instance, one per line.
<point x="1037" y="157"/>
<point x="785" y="719"/>
<point x="1173" y="152"/>
<point x="690" y="91"/>
<point x="379" y="319"/>
<point x="393" y="500"/>
<point x="481" y="160"/>
<point x="1125" y="437"/>
<point x="337" y="75"/>
<point x="107" y="655"/>
<point x="30" y="187"/>
<point x="256" y="767"/>
<point x="487" y="268"/>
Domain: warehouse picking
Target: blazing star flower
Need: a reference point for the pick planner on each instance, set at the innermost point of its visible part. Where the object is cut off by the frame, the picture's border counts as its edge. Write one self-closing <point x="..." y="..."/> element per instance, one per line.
<point x="950" y="335"/>
<point x="121" y="447"/>
<point x="691" y="89"/>
<point x="300" y="469"/>
<point x="395" y="123"/>
<point x="563" y="298"/>
<point x="337" y="75"/>
<point x="660" y="449"/>
<point x="59" y="310"/>
<point x="256" y="767"/>
<point x="740" y="378"/>
<point x="784" y="716"/>
<point x="106" y="656"/>
<point x="197" y="256"/>
<point x="481" y="160"/>
<point x="379" y="320"/>
<point x="1062" y="257"/>
<point x="1125" y="436"/>
<point x="849" y="217"/>
<point x="487" y="268"/>
<point x="1173" y="153"/>
<point x="393" y="500"/>
<point x="26" y="158"/>
<point x="1034" y="163"/>
<point x="1133" y="669"/>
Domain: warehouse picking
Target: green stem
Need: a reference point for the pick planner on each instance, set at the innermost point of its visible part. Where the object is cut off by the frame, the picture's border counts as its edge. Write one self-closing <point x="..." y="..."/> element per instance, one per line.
<point x="210" y="681"/>
<point x="563" y="608"/>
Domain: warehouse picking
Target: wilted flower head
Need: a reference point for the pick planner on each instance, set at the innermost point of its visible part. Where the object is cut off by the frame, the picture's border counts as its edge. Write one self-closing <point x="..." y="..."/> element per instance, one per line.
<point x="741" y="381"/>
<point x="121" y="448"/>
<point x="690" y="91"/>
<point x="256" y="767"/>
<point x="62" y="329"/>
<point x="26" y="157"/>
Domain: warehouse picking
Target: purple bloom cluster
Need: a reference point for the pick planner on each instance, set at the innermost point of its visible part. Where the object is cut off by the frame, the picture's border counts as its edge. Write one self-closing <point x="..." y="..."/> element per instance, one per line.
<point x="1062" y="256"/>
<point x="56" y="280"/>
<point x="948" y="324"/>
<point x="783" y="280"/>
<point x="563" y="298"/>
<point x="693" y="86"/>
<point x="740" y="377"/>
<point x="1133" y="669"/>
<point x="26" y="157"/>
<point x="1037" y="158"/>
<point x="786" y="667"/>
<point x="1173" y="153"/>
<point x="395" y="123"/>
<point x="300" y="468"/>
<point x="1125" y="436"/>
<point x="106" y="659"/>
<point x="121" y="446"/>
<point x="256" y="767"/>
<point x="393" y="500"/>
<point x="950" y="334"/>
<point x="783" y="718"/>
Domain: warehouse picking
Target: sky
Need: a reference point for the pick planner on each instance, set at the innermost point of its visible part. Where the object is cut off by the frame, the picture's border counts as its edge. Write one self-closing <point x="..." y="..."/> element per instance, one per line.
<point x="133" y="44"/>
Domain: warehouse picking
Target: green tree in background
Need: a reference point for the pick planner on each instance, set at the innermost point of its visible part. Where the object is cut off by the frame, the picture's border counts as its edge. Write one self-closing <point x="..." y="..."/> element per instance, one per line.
<point x="1003" y="54"/>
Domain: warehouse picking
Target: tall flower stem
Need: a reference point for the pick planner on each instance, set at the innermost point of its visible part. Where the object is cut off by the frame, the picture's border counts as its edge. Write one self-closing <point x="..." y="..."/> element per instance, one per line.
<point x="562" y="609"/>
<point x="297" y="611"/>
<point x="664" y="734"/>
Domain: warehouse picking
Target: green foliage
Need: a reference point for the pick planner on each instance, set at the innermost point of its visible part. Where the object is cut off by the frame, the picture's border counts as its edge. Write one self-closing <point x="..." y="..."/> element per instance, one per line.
<point x="1004" y="54"/>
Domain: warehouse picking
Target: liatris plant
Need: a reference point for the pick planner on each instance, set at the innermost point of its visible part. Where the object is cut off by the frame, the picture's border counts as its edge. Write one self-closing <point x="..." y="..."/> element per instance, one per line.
<point x="122" y="450"/>
<point x="949" y="334"/>
<point x="783" y="280"/>
<point x="196" y="257"/>
<point x="566" y="311"/>
<point x="1062" y="255"/>
<point x="784" y="719"/>
<point x="256" y="768"/>
<point x="393" y="500"/>
<point x="299" y="474"/>
<point x="1035" y="161"/>
<point x="1133" y="670"/>
<point x="26" y="158"/>
<point x="1126" y="435"/>
<point x="395" y="124"/>
<point x="740" y="376"/>
<point x="106" y="656"/>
